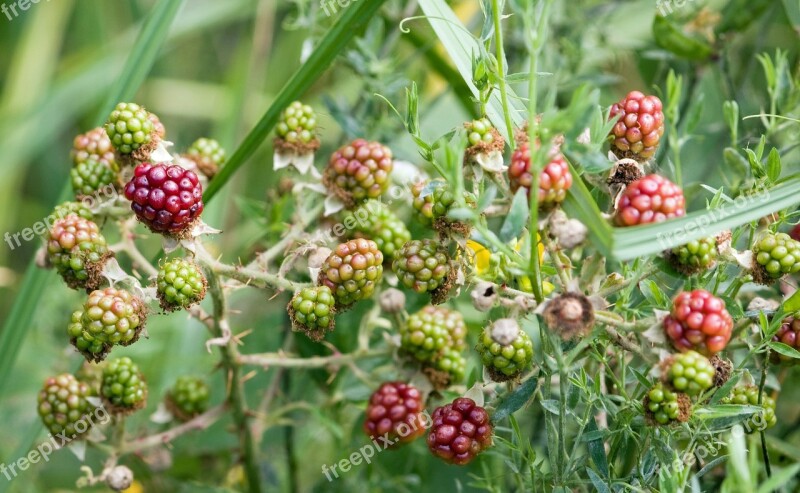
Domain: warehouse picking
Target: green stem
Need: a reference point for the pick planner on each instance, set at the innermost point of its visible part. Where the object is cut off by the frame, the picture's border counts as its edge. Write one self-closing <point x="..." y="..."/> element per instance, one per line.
<point x="236" y="399"/>
<point x="498" y="41"/>
<point x="761" y="384"/>
<point x="281" y="360"/>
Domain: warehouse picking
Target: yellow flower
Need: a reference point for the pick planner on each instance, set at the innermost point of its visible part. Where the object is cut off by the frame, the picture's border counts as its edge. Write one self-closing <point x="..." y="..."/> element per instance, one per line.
<point x="135" y="487"/>
<point x="478" y="256"/>
<point x="518" y="246"/>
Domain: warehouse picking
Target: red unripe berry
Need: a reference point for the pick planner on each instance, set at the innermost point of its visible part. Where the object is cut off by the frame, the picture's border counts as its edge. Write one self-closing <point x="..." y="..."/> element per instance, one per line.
<point x="652" y="199"/>
<point x="699" y="321"/>
<point x="554" y="180"/>
<point x="640" y="126"/>
<point x="395" y="411"/>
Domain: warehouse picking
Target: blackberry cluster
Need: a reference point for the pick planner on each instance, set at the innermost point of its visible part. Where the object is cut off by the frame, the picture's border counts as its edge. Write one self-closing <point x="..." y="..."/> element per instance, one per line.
<point x="78" y="251"/>
<point x="188" y="398"/>
<point x="638" y="131"/>
<point x="359" y="171"/>
<point x="664" y="406"/>
<point x="748" y="395"/>
<point x="652" y="199"/>
<point x="505" y="349"/>
<point x="64" y="406"/>
<point x="297" y="126"/>
<point x="130" y="128"/>
<point x="123" y="387"/>
<point x="777" y="254"/>
<point x="180" y="284"/>
<point x="699" y="321"/>
<point x="433" y="200"/>
<point x="695" y="256"/>
<point x="691" y="373"/>
<point x="789" y="334"/>
<point x="424" y="266"/>
<point x="554" y="180"/>
<point x="428" y="332"/>
<point x="376" y="221"/>
<point x="207" y="154"/>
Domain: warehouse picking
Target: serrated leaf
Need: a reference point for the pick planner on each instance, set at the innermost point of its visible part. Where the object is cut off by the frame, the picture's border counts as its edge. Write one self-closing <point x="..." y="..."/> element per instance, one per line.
<point x="517" y="216"/>
<point x="514" y="401"/>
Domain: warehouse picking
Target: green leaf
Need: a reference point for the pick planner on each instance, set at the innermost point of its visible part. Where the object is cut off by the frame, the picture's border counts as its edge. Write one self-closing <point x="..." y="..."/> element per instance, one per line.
<point x="792" y="304"/>
<point x="774" y="165"/>
<point x="597" y="482"/>
<point x="735" y="160"/>
<point x="668" y="36"/>
<point x="784" y="349"/>
<point x="738" y="14"/>
<point x="352" y="20"/>
<point x="517" y="216"/>
<point x="142" y="56"/>
<point x="597" y="448"/>
<point x="726" y="389"/>
<point x="792" y="8"/>
<point x="653" y="293"/>
<point x="779" y="479"/>
<point x="514" y="401"/>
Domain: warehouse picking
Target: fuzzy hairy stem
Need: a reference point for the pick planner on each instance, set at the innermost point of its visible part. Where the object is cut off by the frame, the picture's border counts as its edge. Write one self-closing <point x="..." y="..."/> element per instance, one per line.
<point x="281" y="360"/>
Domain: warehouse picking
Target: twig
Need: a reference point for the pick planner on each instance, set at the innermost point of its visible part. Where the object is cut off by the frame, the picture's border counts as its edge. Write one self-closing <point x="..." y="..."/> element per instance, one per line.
<point x="199" y="422"/>
<point x="280" y="360"/>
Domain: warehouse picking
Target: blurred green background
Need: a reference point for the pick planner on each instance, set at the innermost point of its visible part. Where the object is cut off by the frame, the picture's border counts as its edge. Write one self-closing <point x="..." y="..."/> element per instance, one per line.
<point x="216" y="74"/>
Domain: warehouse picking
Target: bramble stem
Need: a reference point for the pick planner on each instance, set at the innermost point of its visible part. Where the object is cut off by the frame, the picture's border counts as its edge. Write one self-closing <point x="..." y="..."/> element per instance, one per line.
<point x="199" y="422"/>
<point x="282" y="360"/>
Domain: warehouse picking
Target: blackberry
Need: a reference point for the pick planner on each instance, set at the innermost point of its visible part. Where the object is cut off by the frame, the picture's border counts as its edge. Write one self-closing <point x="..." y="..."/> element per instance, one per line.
<point x="64" y="406"/>
<point x="123" y="388"/>
<point x="748" y="395"/>
<point x="180" y="284"/>
<point x="352" y="271"/>
<point x="395" y="411"/>
<point x="130" y="128"/>
<point x="376" y="221"/>
<point x="777" y="254"/>
<point x="506" y="350"/>
<point x="638" y="131"/>
<point x="690" y="372"/>
<point x="91" y="177"/>
<point x="695" y="256"/>
<point x="428" y="332"/>
<point x="167" y="198"/>
<point x="297" y="129"/>
<point x="188" y="398"/>
<point x="78" y="251"/>
<point x="311" y="311"/>
<point x="789" y="334"/>
<point x="662" y="406"/>
<point x="64" y="209"/>
<point x="652" y="199"/>
<point x="425" y="267"/>
<point x="108" y="317"/>
<point x="94" y="145"/>
<point x="433" y="200"/>
<point x="699" y="321"/>
<point x="450" y="368"/>
<point x="554" y="180"/>
<point x="359" y="171"/>
<point x="208" y="155"/>
<point x="460" y="431"/>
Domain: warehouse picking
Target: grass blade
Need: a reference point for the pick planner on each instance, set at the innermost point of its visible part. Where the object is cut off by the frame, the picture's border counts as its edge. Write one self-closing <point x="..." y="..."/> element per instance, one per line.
<point x="339" y="35"/>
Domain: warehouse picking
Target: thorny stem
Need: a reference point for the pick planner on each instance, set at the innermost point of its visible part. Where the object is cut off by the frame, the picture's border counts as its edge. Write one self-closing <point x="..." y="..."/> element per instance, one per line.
<point x="199" y="422"/>
<point x="281" y="360"/>
<point x="236" y="399"/>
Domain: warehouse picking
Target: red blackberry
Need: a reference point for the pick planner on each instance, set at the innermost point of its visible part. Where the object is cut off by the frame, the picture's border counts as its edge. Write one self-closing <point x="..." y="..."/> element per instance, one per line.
<point x="640" y="127"/>
<point x="165" y="197"/>
<point x="352" y="271"/>
<point x="460" y="431"/>
<point x="359" y="171"/>
<point x="395" y="411"/>
<point x="699" y="321"/>
<point x="554" y="180"/>
<point x="789" y="334"/>
<point x="652" y="199"/>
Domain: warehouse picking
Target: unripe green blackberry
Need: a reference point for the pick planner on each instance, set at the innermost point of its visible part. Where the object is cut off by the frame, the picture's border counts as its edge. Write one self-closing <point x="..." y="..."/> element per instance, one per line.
<point x="505" y="349"/>
<point x="78" y="251"/>
<point x="297" y="125"/>
<point x="64" y="209"/>
<point x="123" y="388"/>
<point x="695" y="256"/>
<point x="94" y="145"/>
<point x="312" y="311"/>
<point x="208" y="155"/>
<point x="64" y="407"/>
<point x="180" y="284"/>
<point x="428" y="332"/>
<point x="777" y="254"/>
<point x="109" y="317"/>
<point x="662" y="406"/>
<point x="374" y="220"/>
<point x="352" y="271"/>
<point x="424" y="266"/>
<point x="188" y="398"/>
<point x="690" y="372"/>
<point x="451" y="364"/>
<point x="748" y="395"/>
<point x="433" y="200"/>
<point x="90" y="177"/>
<point x="480" y="131"/>
<point x="129" y="127"/>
